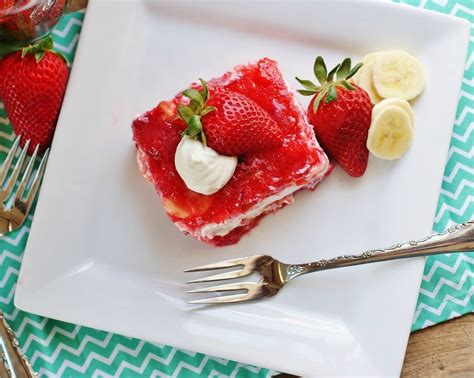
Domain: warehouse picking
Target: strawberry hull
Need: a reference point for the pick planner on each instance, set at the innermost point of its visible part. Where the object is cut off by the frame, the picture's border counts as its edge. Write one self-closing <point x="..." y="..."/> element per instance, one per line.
<point x="262" y="183"/>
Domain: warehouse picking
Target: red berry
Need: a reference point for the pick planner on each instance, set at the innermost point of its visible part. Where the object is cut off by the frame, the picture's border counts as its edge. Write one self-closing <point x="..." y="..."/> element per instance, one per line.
<point x="239" y="125"/>
<point x="340" y="113"/>
<point x="32" y="93"/>
<point x="341" y="127"/>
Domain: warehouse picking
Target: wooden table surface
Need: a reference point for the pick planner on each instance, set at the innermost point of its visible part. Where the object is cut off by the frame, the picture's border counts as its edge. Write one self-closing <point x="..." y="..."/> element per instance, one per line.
<point x="443" y="350"/>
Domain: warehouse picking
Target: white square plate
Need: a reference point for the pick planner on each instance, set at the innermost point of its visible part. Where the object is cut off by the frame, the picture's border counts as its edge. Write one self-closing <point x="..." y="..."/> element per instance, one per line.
<point x="102" y="252"/>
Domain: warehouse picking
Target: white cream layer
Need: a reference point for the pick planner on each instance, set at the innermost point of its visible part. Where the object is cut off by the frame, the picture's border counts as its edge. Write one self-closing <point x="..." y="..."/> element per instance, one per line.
<point x="211" y="230"/>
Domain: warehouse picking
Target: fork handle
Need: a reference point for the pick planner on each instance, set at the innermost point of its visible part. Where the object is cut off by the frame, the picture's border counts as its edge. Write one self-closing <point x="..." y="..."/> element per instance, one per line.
<point x="456" y="239"/>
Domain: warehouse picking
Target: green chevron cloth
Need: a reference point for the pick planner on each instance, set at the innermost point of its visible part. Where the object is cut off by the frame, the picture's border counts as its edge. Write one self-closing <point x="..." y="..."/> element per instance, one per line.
<point x="62" y="349"/>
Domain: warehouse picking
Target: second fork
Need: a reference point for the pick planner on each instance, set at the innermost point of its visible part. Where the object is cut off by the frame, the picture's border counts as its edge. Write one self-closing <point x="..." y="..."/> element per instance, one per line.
<point x="14" y="206"/>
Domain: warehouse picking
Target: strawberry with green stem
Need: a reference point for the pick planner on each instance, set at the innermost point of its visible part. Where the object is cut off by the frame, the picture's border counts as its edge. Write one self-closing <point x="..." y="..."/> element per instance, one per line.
<point x="32" y="85"/>
<point x="340" y="113"/>
<point x="228" y="122"/>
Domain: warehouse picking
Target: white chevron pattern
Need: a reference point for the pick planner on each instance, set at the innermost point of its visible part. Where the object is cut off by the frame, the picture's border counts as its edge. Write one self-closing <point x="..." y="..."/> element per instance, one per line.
<point x="463" y="116"/>
<point x="467" y="95"/>
<point x="453" y="209"/>
<point x="68" y="49"/>
<point x="184" y="365"/>
<point x="451" y="269"/>
<point x="7" y="136"/>
<point x="9" y="297"/>
<point x="63" y="33"/>
<point x="448" y="298"/>
<point x="28" y="321"/>
<point x="457" y="168"/>
<point x="10" y="272"/>
<point x="466" y="136"/>
<point x="77" y="352"/>
<point x="19" y="236"/>
<point x="444" y="282"/>
<point x="461" y="8"/>
<point x="56" y="331"/>
<point x="456" y="150"/>
<point x="462" y="185"/>
<point x="7" y="254"/>
<point x="469" y="82"/>
<point x="12" y="316"/>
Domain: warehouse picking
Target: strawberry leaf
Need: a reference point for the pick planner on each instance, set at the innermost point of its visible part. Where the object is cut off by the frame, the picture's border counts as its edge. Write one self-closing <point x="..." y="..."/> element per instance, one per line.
<point x="185" y="113"/>
<point x="194" y="127"/>
<point x="320" y="70"/>
<point x="45" y="44"/>
<point x="307" y="84"/>
<point x="195" y="97"/>
<point x="344" y="69"/>
<point x="318" y="99"/>
<point x="204" y="91"/>
<point x="40" y="48"/>
<point x="332" y="72"/>
<point x="354" y="70"/>
<point x="332" y="94"/>
<point x="39" y="56"/>
<point x="207" y="110"/>
<point x="306" y="92"/>
<point x="348" y="85"/>
<point x="194" y="106"/>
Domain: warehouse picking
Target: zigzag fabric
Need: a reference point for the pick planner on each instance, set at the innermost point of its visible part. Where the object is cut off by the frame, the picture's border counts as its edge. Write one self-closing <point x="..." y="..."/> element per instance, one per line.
<point x="62" y="349"/>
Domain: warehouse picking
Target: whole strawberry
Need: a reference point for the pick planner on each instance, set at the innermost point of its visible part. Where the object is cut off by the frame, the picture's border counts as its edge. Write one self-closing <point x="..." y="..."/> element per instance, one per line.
<point x="228" y="122"/>
<point x="340" y="113"/>
<point x="32" y="86"/>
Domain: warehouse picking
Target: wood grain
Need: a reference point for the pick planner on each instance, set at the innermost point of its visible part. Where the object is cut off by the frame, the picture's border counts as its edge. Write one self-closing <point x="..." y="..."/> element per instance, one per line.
<point x="443" y="350"/>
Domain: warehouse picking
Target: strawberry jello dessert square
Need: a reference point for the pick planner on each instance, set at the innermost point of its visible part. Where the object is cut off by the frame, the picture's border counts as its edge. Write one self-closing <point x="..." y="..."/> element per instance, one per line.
<point x="223" y="154"/>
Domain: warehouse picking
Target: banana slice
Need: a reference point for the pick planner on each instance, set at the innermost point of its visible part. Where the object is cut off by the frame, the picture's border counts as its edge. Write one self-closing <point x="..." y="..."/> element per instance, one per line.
<point x="402" y="104"/>
<point x="398" y="74"/>
<point x="364" y="80"/>
<point x="366" y="60"/>
<point x="390" y="133"/>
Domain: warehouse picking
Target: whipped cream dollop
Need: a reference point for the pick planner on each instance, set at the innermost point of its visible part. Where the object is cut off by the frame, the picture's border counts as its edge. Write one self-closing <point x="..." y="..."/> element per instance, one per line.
<point x="202" y="169"/>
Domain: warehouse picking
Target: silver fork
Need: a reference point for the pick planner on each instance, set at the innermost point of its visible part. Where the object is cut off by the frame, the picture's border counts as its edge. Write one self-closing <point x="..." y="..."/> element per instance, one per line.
<point x="275" y="274"/>
<point x="12" y="217"/>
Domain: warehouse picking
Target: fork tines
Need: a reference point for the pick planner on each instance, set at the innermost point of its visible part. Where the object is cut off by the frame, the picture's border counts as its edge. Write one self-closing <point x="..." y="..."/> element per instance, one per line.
<point x="247" y="265"/>
<point x="21" y="203"/>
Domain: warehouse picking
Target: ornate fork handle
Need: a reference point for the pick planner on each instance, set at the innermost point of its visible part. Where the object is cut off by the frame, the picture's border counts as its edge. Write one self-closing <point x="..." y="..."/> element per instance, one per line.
<point x="13" y="363"/>
<point x="456" y="239"/>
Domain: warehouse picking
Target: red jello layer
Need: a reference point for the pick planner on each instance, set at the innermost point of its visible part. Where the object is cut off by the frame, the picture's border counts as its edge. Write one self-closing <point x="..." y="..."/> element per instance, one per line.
<point x="298" y="162"/>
